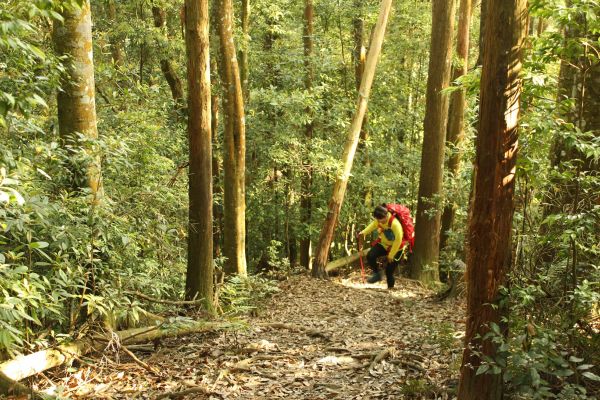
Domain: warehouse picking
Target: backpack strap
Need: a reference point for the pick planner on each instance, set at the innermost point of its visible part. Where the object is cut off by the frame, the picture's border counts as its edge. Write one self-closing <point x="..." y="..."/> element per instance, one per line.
<point x="391" y="219"/>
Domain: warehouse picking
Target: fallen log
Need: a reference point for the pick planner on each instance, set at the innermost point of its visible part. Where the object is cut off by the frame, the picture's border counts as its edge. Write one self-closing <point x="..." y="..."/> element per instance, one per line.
<point x="31" y="364"/>
<point x="342" y="262"/>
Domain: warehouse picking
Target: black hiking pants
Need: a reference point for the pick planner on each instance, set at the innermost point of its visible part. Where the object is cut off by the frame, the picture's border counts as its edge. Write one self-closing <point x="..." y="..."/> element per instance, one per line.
<point x="379" y="251"/>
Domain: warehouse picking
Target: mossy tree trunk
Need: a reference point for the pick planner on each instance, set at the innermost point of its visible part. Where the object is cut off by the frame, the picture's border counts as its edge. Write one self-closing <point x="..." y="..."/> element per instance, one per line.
<point x="234" y="165"/>
<point x="77" y="98"/>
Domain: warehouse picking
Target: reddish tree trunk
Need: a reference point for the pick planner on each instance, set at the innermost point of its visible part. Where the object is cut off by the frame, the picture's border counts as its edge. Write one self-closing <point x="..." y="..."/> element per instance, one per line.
<point x="489" y="255"/>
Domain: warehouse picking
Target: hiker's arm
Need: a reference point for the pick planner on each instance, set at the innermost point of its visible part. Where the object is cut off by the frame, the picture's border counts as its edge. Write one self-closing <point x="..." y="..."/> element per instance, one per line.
<point x="398" y="233"/>
<point x="370" y="228"/>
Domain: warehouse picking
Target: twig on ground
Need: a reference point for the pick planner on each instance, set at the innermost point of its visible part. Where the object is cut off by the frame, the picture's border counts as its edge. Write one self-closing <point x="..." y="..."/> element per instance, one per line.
<point x="192" y="390"/>
<point x="149" y="348"/>
<point x="140" y="362"/>
<point x="244" y="365"/>
<point x="409" y="364"/>
<point x="296" y="328"/>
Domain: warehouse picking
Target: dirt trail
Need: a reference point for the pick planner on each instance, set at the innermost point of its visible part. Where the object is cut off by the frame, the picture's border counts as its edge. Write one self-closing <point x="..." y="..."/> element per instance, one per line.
<point x="312" y="340"/>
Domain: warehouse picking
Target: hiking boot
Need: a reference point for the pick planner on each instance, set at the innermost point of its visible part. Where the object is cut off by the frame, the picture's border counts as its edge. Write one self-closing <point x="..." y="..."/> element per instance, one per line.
<point x="376" y="277"/>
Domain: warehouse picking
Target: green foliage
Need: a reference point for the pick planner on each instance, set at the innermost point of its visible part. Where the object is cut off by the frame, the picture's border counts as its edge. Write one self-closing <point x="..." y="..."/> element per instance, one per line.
<point x="535" y="360"/>
<point x="240" y="295"/>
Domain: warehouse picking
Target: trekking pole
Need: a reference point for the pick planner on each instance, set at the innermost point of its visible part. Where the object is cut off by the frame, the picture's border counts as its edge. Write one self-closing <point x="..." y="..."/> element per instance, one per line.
<point x="362" y="265"/>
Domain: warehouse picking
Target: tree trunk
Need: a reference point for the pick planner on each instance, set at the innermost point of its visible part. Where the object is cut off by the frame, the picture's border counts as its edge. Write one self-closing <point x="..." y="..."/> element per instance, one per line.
<point x="115" y="43"/>
<point x="216" y="171"/>
<point x="482" y="19"/>
<point x="143" y="49"/>
<point x="235" y="145"/>
<point x="427" y="228"/>
<point x="245" y="17"/>
<point x="76" y="101"/>
<point x="339" y="189"/>
<point x="359" y="53"/>
<point x="306" y="184"/>
<point x="165" y="64"/>
<point x="199" y="277"/>
<point x="489" y="256"/>
<point x="455" y="132"/>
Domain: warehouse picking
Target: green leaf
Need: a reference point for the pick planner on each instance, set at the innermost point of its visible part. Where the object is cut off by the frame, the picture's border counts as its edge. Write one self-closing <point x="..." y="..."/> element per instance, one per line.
<point x="38" y="52"/>
<point x="38" y="245"/>
<point x="575" y="359"/>
<point x="21" y="269"/>
<point x="584" y="366"/>
<point x="591" y="376"/>
<point x="535" y="377"/>
<point x="482" y="369"/>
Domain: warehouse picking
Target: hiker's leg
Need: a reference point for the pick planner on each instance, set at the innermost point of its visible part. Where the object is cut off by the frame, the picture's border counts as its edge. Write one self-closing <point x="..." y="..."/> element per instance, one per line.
<point x="390" y="268"/>
<point x="376" y="251"/>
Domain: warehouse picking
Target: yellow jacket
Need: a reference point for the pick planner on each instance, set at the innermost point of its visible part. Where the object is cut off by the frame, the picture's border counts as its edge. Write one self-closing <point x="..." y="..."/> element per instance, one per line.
<point x="390" y="235"/>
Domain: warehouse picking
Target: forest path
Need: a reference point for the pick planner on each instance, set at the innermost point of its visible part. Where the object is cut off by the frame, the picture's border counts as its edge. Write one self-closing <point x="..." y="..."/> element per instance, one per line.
<point x="314" y="339"/>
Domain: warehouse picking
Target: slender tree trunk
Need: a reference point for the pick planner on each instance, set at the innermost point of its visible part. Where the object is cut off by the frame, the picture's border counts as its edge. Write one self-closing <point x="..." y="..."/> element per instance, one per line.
<point x="216" y="170"/>
<point x="339" y="189"/>
<point x="143" y="49"/>
<point x="199" y="278"/>
<point x="427" y="229"/>
<point x="489" y="256"/>
<point x="166" y="66"/>
<point x="455" y="131"/>
<point x="245" y="16"/>
<point x="115" y="43"/>
<point x="359" y="53"/>
<point x="234" y="248"/>
<point x="76" y="101"/>
<point x="306" y="183"/>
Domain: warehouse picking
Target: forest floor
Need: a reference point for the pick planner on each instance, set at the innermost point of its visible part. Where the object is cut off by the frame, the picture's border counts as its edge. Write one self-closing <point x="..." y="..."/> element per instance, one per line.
<point x="314" y="339"/>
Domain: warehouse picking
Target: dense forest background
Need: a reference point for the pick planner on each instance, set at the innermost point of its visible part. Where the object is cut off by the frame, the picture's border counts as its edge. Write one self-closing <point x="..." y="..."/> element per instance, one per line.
<point x="61" y="252"/>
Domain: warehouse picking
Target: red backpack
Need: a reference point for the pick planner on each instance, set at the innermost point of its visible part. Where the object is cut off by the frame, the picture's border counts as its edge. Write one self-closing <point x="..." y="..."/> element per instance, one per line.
<point x="402" y="213"/>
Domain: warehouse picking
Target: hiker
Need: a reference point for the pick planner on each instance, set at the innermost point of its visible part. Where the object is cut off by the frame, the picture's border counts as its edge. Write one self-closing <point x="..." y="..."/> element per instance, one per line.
<point x="387" y="245"/>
